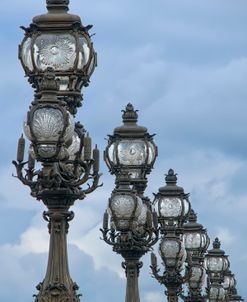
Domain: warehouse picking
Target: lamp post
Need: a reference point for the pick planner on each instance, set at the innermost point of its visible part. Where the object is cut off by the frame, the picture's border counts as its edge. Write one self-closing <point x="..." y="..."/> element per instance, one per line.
<point x="130" y="155"/>
<point x="196" y="243"/>
<point x="216" y="263"/>
<point x="173" y="207"/>
<point x="58" y="58"/>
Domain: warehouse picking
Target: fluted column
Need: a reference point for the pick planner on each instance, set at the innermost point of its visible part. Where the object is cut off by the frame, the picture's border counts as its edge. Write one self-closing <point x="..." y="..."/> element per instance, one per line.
<point x="58" y="285"/>
<point x="132" y="269"/>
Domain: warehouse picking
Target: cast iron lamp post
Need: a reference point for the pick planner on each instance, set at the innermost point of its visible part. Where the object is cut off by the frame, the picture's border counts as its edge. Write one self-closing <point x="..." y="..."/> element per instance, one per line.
<point x="196" y="243"/>
<point x="58" y="58"/>
<point x="173" y="207"/>
<point x="130" y="155"/>
<point x="216" y="264"/>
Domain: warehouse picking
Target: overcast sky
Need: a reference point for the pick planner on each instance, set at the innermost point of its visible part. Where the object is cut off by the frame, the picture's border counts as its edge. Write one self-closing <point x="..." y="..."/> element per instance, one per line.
<point x="183" y="64"/>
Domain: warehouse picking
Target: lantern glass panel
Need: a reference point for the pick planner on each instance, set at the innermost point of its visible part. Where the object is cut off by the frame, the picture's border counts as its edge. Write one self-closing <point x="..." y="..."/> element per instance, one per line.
<point x="170" y="207"/>
<point x="197" y="277"/>
<point x="229" y="282"/>
<point x="216" y="293"/>
<point x="55" y="50"/>
<point x="192" y="240"/>
<point x="132" y="152"/>
<point x="215" y="264"/>
<point x="170" y="249"/>
<point x="84" y="53"/>
<point x="151" y="152"/>
<point x="26" y="54"/>
<point x="47" y="124"/>
<point x="112" y="154"/>
<point x="186" y="207"/>
<point x="142" y="218"/>
<point x="123" y="206"/>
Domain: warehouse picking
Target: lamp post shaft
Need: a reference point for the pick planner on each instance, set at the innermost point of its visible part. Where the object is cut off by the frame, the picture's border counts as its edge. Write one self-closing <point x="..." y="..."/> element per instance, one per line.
<point x="132" y="268"/>
<point x="58" y="285"/>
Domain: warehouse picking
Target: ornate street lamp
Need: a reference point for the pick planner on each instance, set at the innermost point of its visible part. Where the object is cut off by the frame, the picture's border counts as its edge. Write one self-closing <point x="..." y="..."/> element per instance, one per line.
<point x="130" y="155"/>
<point x="171" y="203"/>
<point x="131" y="148"/>
<point x="216" y="264"/>
<point x="53" y="52"/>
<point x="229" y="281"/>
<point x="131" y="233"/>
<point x="196" y="243"/>
<point x="58" y="40"/>
<point x="173" y="207"/>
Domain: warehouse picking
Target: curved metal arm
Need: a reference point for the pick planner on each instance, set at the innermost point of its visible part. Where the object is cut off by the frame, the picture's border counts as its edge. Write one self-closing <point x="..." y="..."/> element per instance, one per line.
<point x="19" y="168"/>
<point x="155" y="272"/>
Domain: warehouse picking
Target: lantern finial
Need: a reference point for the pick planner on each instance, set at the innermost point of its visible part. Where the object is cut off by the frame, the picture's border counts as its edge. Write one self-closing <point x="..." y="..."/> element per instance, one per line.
<point x="192" y="216"/>
<point x="171" y="177"/>
<point x="216" y="243"/>
<point x="54" y="4"/>
<point x="130" y="114"/>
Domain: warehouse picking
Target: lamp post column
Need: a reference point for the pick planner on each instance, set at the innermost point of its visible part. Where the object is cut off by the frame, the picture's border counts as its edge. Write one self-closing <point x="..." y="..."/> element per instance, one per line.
<point x="58" y="285"/>
<point x="132" y="268"/>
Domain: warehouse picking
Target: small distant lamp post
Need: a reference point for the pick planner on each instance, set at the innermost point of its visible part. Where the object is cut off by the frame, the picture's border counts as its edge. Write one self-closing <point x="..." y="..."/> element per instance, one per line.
<point x="196" y="243"/>
<point x="133" y="229"/>
<point x="216" y="263"/>
<point x="173" y="206"/>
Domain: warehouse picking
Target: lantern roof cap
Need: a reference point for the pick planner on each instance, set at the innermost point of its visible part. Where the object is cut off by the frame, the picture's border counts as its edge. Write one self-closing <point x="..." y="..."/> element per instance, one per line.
<point x="130" y="128"/>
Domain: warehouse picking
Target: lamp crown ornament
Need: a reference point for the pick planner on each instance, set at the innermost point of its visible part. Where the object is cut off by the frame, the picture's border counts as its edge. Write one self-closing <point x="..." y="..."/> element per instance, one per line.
<point x="192" y="216"/>
<point x="216" y="243"/>
<point x="130" y="114"/>
<point x="57" y="4"/>
<point x="171" y="177"/>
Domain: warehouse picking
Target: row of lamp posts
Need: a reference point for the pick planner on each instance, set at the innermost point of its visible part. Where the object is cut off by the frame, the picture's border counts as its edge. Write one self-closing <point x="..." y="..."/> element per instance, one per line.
<point x="132" y="225"/>
<point x="58" y="57"/>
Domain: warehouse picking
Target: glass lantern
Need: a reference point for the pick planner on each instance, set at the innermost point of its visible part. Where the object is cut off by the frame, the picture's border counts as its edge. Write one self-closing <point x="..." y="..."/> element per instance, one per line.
<point x="131" y="149"/>
<point x="125" y="207"/>
<point x="195" y="236"/>
<point x="173" y="252"/>
<point x="229" y="280"/>
<point x="216" y="293"/>
<point x="216" y="262"/>
<point x="197" y="276"/>
<point x="59" y="41"/>
<point x="49" y="128"/>
<point x="171" y="203"/>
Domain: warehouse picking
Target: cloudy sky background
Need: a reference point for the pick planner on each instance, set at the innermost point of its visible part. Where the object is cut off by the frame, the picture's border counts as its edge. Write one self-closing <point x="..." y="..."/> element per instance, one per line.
<point x="183" y="64"/>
